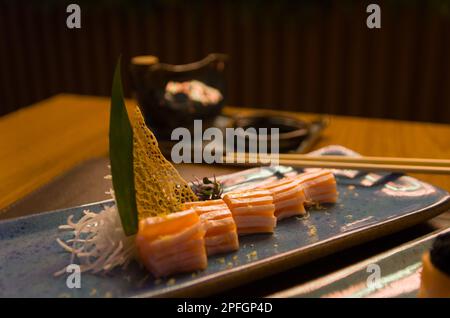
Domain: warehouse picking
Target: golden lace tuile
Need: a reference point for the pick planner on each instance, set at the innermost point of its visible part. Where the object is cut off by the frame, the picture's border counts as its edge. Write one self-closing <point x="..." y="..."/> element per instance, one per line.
<point x="159" y="187"/>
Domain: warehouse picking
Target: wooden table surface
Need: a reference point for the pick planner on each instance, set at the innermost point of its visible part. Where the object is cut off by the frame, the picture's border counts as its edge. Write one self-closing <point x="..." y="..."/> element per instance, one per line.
<point x="53" y="155"/>
<point x="44" y="140"/>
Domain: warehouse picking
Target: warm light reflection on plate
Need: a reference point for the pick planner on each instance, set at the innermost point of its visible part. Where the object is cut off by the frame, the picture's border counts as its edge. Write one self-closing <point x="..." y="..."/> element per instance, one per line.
<point x="397" y="284"/>
<point x="406" y="186"/>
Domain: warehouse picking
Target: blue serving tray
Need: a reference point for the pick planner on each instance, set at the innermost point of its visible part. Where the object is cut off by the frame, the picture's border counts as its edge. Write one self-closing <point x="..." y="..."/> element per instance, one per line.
<point x="29" y="254"/>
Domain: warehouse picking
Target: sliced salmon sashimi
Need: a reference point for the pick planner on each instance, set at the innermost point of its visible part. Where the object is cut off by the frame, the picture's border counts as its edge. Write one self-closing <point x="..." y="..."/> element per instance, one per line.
<point x="172" y="244"/>
<point x="181" y="241"/>
<point x="221" y="232"/>
<point x="288" y="197"/>
<point x="318" y="186"/>
<point x="252" y="210"/>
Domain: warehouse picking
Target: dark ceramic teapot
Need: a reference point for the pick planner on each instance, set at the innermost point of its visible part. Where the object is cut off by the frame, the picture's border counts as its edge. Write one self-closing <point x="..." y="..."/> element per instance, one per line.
<point x="172" y="96"/>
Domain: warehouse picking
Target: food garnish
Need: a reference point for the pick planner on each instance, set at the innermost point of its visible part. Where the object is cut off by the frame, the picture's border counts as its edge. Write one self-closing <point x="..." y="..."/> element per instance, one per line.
<point x="207" y="189"/>
<point x="145" y="184"/>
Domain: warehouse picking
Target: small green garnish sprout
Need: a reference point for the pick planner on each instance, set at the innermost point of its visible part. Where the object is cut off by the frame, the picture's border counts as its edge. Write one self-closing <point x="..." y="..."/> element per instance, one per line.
<point x="207" y="189"/>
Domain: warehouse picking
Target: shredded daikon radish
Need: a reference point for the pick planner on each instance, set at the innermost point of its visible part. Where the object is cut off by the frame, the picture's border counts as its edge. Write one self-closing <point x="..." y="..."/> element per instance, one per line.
<point x="98" y="241"/>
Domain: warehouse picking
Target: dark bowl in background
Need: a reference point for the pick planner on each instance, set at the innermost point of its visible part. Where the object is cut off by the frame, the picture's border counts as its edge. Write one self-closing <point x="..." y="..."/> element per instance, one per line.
<point x="292" y="131"/>
<point x="149" y="80"/>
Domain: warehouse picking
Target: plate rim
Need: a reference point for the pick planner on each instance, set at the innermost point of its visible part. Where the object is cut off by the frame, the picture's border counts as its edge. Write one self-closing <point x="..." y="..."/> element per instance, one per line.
<point x="289" y="259"/>
<point x="308" y="287"/>
<point x="245" y="273"/>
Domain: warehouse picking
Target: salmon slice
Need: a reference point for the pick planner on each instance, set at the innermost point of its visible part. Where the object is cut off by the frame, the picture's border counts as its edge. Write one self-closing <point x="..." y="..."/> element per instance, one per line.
<point x="220" y="226"/>
<point x="178" y="252"/>
<point x="215" y="215"/>
<point x="289" y="209"/>
<point x="222" y="243"/>
<point x="252" y="210"/>
<point x="288" y="197"/>
<point x="249" y="201"/>
<point x="249" y="193"/>
<point x="166" y="244"/>
<point x="217" y="220"/>
<point x="172" y="244"/>
<point x="261" y="210"/>
<point x="256" y="221"/>
<point x="220" y="239"/>
<point x="171" y="266"/>
<point x="206" y="206"/>
<point x="319" y="186"/>
<point x="151" y="229"/>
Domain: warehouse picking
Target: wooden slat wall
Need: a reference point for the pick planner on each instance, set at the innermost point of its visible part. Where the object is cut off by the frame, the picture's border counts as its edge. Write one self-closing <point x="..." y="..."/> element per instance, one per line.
<point x="307" y="56"/>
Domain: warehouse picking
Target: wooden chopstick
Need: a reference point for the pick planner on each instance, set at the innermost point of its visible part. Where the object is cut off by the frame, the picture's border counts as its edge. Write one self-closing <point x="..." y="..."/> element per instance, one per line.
<point x="366" y="166"/>
<point x="400" y="165"/>
<point x="376" y="160"/>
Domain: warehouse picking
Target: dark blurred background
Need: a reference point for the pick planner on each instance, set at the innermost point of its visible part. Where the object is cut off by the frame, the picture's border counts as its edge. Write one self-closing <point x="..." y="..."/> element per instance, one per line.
<point x="311" y="56"/>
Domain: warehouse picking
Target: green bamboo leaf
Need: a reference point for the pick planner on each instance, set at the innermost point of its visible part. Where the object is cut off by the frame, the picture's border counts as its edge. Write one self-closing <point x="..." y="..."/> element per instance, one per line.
<point x="121" y="157"/>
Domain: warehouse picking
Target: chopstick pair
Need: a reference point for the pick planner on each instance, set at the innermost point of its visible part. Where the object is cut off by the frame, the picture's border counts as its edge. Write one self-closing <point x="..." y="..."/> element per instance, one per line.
<point x="390" y="164"/>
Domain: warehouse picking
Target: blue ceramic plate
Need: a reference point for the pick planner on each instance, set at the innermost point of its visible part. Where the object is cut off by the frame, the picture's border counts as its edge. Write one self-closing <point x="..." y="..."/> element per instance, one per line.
<point x="399" y="271"/>
<point x="29" y="254"/>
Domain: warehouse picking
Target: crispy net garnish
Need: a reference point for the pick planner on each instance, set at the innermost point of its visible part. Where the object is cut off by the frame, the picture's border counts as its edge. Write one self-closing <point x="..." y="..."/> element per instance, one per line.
<point x="159" y="187"/>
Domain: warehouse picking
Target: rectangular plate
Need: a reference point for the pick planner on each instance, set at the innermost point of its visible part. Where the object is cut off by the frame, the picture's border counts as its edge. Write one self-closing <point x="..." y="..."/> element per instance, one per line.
<point x="399" y="275"/>
<point x="29" y="254"/>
